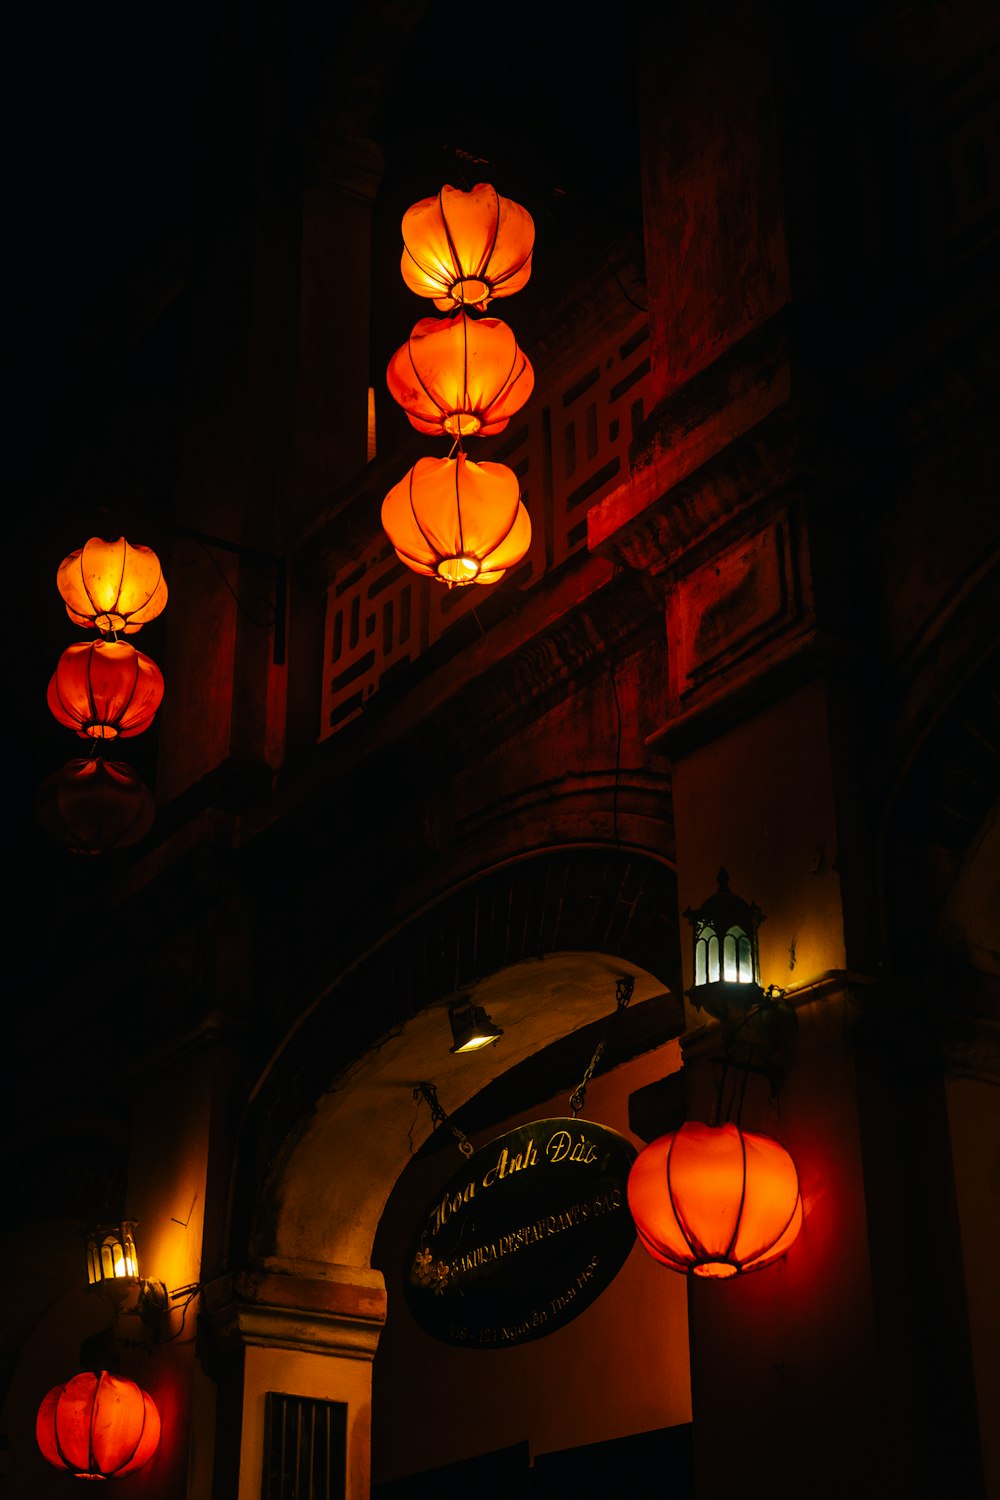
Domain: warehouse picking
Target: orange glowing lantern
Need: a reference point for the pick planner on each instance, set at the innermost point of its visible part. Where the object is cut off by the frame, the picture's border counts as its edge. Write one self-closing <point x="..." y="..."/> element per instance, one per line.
<point x="462" y="248"/>
<point x="457" y="521"/>
<point x="715" y="1200"/>
<point x="112" y="586"/>
<point x="105" y="689"/>
<point x="460" y="376"/>
<point x="98" y="1426"/>
<point x="95" y="806"/>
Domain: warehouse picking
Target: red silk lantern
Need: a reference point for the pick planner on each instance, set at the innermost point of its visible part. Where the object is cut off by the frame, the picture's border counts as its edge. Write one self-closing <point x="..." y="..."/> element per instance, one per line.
<point x="112" y="586"/>
<point x="457" y="521"/>
<point x="95" y="806"/>
<point x="460" y="376"/>
<point x="462" y="248"/>
<point x="104" y="689"/>
<point x="98" y="1426"/>
<point x="715" y="1200"/>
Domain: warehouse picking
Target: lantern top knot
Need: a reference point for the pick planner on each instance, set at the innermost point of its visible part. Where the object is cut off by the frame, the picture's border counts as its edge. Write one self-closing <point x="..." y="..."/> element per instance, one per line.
<point x="464" y="248"/>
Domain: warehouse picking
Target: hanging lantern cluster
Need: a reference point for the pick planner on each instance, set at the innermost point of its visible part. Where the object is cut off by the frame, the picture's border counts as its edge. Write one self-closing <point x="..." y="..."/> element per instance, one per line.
<point x="461" y="376"/>
<point x="104" y="690"/>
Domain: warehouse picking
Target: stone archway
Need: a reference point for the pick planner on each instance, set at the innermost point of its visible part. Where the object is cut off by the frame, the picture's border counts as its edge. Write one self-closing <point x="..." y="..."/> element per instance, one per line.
<point x="511" y="920"/>
<point x="540" y="942"/>
<point x="366" y="1127"/>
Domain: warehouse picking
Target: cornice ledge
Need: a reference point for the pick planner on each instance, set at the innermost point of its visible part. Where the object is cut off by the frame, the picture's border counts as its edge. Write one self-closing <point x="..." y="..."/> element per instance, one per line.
<point x="340" y="1315"/>
<point x="780" y="670"/>
<point x="709" y="466"/>
<point x="706" y="1038"/>
<point x="307" y="1332"/>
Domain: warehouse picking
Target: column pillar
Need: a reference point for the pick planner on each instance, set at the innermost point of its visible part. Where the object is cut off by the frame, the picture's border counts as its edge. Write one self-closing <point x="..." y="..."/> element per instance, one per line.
<point x="727" y="511"/>
<point x="309" y="1336"/>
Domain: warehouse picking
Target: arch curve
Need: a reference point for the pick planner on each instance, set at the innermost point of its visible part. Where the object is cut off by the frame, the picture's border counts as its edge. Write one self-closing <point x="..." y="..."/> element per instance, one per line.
<point x="541" y="939"/>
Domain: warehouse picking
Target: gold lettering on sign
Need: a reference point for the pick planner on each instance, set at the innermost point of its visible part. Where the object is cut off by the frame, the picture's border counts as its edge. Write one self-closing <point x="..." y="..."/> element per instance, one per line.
<point x="506" y="1165"/>
<point x="443" y="1211"/>
<point x="531" y="1234"/>
<point x="562" y="1147"/>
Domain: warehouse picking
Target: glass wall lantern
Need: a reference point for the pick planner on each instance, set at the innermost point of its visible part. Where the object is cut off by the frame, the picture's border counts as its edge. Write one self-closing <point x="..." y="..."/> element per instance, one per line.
<point x="111" y="1254"/>
<point x="113" y="1270"/>
<point x="726" y="962"/>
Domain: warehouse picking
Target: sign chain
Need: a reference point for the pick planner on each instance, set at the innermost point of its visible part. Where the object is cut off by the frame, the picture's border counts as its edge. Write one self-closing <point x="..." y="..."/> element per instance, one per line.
<point x="428" y="1092"/>
<point x="623" y="994"/>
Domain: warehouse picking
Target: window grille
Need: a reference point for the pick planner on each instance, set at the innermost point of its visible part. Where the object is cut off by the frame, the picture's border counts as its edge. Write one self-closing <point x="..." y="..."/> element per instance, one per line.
<point x="305" y="1448"/>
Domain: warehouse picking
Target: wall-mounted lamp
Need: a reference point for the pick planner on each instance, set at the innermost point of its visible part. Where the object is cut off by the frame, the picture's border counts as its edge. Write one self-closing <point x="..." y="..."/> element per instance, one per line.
<point x="111" y="1253"/>
<point x="113" y="1268"/>
<point x="758" y="1024"/>
<point x="726" y="962"/>
<point x="471" y="1027"/>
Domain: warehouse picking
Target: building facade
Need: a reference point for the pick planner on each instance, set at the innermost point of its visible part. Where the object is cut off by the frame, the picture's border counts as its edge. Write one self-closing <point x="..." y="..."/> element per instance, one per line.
<point x="756" y="628"/>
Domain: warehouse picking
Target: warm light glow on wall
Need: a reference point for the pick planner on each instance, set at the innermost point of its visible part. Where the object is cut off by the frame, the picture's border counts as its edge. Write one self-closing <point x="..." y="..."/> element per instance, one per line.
<point x="463" y="248"/>
<point x="112" y="586"/>
<point x="715" y="1200"/>
<point x="460" y="377"/>
<point x="98" y="1426"/>
<point x="457" y="521"/>
<point x="105" y="689"/>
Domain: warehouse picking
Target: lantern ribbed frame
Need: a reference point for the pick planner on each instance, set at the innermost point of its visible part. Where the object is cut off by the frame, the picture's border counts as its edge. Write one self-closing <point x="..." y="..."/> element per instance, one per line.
<point x="460" y="376"/>
<point x="105" y="690"/>
<point x="98" y="1426"/>
<point x="95" y="805"/>
<point x="464" y="248"/>
<point x="714" y="1200"/>
<point x="457" y="521"/>
<point x="112" y="586"/>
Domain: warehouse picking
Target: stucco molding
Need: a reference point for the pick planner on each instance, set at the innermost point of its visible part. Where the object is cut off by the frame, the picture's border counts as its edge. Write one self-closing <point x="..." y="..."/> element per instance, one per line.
<point x="341" y="1316"/>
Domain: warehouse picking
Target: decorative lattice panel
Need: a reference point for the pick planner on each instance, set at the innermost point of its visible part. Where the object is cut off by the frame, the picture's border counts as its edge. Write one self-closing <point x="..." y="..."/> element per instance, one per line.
<point x="569" y="449"/>
<point x="593" y="421"/>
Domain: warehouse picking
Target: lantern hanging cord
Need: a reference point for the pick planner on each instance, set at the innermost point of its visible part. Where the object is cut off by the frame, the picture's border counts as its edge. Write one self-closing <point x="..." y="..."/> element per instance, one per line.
<point x="739" y="1086"/>
<point x="428" y="1092"/>
<point x="618" y="747"/>
<point x="623" y="994"/>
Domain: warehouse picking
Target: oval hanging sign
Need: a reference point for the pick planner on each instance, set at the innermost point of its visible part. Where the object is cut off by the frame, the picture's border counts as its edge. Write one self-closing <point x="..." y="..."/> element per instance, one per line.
<point x="524" y="1237"/>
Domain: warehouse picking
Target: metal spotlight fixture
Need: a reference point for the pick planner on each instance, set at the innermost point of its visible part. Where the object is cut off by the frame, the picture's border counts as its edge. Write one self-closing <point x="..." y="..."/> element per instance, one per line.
<point x="471" y="1027"/>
